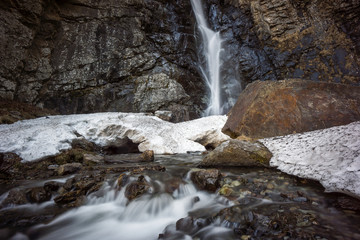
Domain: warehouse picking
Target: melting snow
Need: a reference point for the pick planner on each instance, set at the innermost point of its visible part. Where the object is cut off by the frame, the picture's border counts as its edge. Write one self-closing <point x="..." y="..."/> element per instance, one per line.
<point x="38" y="138"/>
<point x="331" y="156"/>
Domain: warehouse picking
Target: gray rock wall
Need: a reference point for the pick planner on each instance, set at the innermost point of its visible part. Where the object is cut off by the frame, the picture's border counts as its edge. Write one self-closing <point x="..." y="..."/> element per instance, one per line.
<point x="81" y="56"/>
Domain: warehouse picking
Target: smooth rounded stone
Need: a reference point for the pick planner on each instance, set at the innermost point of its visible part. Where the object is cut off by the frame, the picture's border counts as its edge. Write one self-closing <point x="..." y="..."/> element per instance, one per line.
<point x="164" y="115"/>
<point x="237" y="153"/>
<point x="137" y="188"/>
<point x="206" y="179"/>
<point x="147" y="156"/>
<point x="52" y="186"/>
<point x="15" y="196"/>
<point x="38" y="195"/>
<point x="69" y="168"/>
<point x="276" y="108"/>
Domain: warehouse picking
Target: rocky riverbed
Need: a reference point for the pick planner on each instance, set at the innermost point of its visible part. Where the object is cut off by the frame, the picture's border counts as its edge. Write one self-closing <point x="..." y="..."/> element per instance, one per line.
<point x="171" y="198"/>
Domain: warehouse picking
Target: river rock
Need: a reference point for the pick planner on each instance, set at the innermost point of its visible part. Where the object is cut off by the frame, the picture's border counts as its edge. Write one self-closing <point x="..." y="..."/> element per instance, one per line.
<point x="236" y="153"/>
<point x="15" y="196"/>
<point x="206" y="179"/>
<point x="91" y="159"/>
<point x="69" y="168"/>
<point x="38" y="195"/>
<point x="276" y="108"/>
<point x="8" y="163"/>
<point x="137" y="188"/>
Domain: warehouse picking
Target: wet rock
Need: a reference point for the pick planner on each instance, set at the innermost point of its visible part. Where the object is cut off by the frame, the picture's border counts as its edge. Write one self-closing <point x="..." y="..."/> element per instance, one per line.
<point x="52" y="186"/>
<point x="236" y="153"/>
<point x="15" y="196"/>
<point x="9" y="163"/>
<point x="147" y="156"/>
<point x="275" y="108"/>
<point x="67" y="197"/>
<point x="69" y="168"/>
<point x="82" y="143"/>
<point x="90" y="159"/>
<point x="206" y="179"/>
<point x="70" y="156"/>
<point x="164" y="115"/>
<point x="122" y="180"/>
<point x="137" y="188"/>
<point x="38" y="195"/>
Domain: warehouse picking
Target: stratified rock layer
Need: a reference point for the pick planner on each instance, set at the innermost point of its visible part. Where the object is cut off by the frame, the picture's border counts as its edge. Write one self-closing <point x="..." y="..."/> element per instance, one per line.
<point x="275" y="108"/>
<point x="89" y="56"/>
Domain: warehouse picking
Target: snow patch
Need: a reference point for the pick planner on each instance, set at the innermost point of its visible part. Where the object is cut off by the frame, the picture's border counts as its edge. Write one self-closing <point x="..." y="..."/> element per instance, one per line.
<point x="42" y="137"/>
<point x="331" y="156"/>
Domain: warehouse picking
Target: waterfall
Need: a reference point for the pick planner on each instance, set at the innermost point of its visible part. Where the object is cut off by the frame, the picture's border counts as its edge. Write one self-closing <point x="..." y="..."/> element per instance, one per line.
<point x="211" y="51"/>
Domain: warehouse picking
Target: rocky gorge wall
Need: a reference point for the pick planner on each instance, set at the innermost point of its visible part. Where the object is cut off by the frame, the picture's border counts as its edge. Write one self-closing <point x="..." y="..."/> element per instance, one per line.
<point x="80" y="56"/>
<point x="281" y="39"/>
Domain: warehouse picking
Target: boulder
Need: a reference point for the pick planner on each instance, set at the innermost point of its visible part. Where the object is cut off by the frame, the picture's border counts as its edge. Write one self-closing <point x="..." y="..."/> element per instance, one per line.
<point x="69" y="168"/>
<point x="236" y="153"/>
<point x="276" y="108"/>
<point x="206" y="179"/>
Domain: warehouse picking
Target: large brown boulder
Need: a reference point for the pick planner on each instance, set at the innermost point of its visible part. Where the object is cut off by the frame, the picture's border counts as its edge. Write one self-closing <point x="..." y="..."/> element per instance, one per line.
<point x="275" y="108"/>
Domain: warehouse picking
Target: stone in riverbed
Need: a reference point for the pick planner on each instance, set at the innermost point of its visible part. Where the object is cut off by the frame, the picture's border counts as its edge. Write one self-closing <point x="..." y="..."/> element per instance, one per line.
<point x="206" y="179"/>
<point x="38" y="195"/>
<point x="8" y="163"/>
<point x="15" y="196"/>
<point x="137" y="188"/>
<point x="276" y="108"/>
<point x="236" y="153"/>
<point x="69" y="168"/>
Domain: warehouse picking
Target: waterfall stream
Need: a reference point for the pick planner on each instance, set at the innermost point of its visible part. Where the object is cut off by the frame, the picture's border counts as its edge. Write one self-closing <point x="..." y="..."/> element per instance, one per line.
<point x="211" y="50"/>
<point x="260" y="203"/>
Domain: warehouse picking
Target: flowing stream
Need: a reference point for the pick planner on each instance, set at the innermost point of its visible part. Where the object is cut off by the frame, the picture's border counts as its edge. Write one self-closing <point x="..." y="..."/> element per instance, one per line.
<point x="258" y="203"/>
<point x="211" y="50"/>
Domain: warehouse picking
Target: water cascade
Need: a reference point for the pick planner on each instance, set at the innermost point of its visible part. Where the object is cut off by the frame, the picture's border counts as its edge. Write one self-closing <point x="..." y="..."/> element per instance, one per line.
<point x="211" y="67"/>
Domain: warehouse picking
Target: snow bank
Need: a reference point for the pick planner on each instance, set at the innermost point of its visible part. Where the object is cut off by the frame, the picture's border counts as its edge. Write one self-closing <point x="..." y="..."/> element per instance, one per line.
<point x="331" y="156"/>
<point x="37" y="138"/>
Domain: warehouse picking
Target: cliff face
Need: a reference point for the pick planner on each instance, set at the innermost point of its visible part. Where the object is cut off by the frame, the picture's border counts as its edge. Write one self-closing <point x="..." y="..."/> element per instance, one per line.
<point x="311" y="39"/>
<point x="79" y="56"/>
<point x="85" y="56"/>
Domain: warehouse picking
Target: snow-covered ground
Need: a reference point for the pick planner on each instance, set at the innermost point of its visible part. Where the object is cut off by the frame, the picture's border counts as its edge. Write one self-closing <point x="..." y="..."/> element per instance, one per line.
<point x="38" y="138"/>
<point x="331" y="156"/>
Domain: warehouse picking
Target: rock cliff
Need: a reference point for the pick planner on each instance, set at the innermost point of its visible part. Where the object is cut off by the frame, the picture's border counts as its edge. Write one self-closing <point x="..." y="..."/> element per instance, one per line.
<point x="282" y="39"/>
<point x="81" y="56"/>
<point x="87" y="56"/>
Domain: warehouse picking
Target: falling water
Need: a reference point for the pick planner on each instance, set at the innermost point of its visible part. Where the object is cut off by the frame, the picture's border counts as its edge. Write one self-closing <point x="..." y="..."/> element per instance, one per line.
<point x="211" y="51"/>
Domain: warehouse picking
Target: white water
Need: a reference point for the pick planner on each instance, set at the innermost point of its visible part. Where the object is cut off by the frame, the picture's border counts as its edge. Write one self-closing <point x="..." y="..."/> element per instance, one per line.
<point x="111" y="216"/>
<point x="211" y="51"/>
